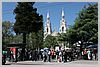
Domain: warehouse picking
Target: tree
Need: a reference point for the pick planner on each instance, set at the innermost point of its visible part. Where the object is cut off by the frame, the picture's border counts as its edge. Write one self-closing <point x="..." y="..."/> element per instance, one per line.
<point x="50" y="41"/>
<point x="85" y="28"/>
<point x="87" y="23"/>
<point x="32" y="41"/>
<point x="17" y="39"/>
<point x="27" y="19"/>
<point x="40" y="35"/>
<point x="71" y="36"/>
<point x="7" y="32"/>
<point x="35" y="40"/>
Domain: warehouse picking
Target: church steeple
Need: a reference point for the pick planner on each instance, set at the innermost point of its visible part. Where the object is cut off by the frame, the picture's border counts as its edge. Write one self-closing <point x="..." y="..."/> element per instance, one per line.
<point x="48" y="25"/>
<point x="62" y="13"/>
<point x="63" y="23"/>
<point x="48" y="16"/>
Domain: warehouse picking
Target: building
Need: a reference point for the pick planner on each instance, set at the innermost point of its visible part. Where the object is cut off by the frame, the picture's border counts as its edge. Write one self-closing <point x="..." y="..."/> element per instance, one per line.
<point x="63" y="27"/>
<point x="48" y="30"/>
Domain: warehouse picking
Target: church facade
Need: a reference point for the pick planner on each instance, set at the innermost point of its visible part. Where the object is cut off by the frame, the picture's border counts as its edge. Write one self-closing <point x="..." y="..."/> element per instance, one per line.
<point x="48" y="30"/>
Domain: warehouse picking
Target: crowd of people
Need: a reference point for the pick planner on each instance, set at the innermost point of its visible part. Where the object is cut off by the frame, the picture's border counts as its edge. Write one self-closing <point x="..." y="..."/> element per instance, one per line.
<point x="89" y="54"/>
<point x="50" y="55"/>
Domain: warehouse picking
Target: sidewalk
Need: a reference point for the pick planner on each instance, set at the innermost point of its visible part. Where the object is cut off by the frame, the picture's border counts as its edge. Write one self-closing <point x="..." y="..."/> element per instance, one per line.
<point x="85" y="62"/>
<point x="44" y="63"/>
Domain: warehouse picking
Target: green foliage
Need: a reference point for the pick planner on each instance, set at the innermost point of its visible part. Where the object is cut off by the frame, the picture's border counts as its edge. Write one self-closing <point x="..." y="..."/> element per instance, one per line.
<point x="86" y="24"/>
<point x="28" y="24"/>
<point x="8" y="34"/>
<point x="7" y="28"/>
<point x="17" y="39"/>
<point x="32" y="41"/>
<point x="71" y="36"/>
<point x="85" y="28"/>
<point x="50" y="41"/>
<point x="28" y="21"/>
<point x="35" y="40"/>
<point x="27" y="18"/>
<point x="6" y="31"/>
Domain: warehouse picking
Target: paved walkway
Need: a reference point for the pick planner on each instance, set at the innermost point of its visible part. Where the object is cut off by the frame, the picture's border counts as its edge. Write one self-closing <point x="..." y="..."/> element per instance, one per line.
<point x="85" y="62"/>
<point x="52" y="63"/>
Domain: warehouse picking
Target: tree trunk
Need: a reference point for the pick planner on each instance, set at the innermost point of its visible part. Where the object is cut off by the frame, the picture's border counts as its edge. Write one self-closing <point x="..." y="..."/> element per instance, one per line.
<point x="24" y="38"/>
<point x="23" y="48"/>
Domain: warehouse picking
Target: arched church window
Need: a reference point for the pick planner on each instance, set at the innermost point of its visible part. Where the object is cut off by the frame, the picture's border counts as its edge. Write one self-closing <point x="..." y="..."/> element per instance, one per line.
<point x="62" y="20"/>
<point x="47" y="29"/>
<point x="62" y="28"/>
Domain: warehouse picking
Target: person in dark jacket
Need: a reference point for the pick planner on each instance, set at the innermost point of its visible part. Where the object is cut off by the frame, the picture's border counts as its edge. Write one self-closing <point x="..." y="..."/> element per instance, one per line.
<point x="45" y="55"/>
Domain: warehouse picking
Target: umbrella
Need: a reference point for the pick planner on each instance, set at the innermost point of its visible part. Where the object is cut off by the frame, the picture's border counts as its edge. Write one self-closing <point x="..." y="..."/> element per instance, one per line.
<point x="67" y="48"/>
<point x="46" y="48"/>
<point x="41" y="50"/>
<point x="92" y="46"/>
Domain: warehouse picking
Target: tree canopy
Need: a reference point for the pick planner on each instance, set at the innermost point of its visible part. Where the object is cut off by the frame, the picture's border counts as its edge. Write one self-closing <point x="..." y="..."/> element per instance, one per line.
<point x="27" y="19"/>
<point x="86" y="24"/>
<point x="85" y="28"/>
<point x="7" y="31"/>
<point x="50" y="41"/>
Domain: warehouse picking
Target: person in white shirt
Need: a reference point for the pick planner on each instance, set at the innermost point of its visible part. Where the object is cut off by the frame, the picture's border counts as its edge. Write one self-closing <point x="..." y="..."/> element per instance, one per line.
<point x="89" y="53"/>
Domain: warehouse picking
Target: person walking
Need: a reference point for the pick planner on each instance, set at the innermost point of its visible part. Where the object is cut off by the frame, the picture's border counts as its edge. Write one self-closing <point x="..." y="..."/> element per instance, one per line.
<point x="12" y="56"/>
<point x="49" y="56"/>
<point x="57" y="55"/>
<point x="45" y="55"/>
<point x="85" y="54"/>
<point x="89" y="53"/>
<point x="52" y="54"/>
<point x="66" y="55"/>
<point x="60" y="56"/>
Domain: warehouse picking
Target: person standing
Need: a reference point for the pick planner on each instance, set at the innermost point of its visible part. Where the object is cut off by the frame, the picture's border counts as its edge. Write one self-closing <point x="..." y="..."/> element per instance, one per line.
<point x="85" y="54"/>
<point x="12" y="57"/>
<point x="33" y="56"/>
<point x="60" y="56"/>
<point x="45" y="55"/>
<point x="57" y="55"/>
<point x="89" y="53"/>
<point x="52" y="54"/>
<point x="64" y="56"/>
<point x="49" y="56"/>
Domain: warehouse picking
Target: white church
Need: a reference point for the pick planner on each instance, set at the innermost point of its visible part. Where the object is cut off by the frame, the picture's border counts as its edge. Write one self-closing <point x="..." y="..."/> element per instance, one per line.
<point x="48" y="30"/>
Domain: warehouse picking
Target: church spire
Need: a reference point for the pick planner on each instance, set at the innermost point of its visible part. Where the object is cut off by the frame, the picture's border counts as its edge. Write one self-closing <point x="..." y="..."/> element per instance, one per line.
<point x="62" y="23"/>
<point x="48" y="25"/>
<point x="62" y="13"/>
<point x="48" y="15"/>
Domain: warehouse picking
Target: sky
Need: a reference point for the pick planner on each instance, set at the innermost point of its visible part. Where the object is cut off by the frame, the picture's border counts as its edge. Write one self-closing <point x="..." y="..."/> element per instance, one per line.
<point x="71" y="10"/>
